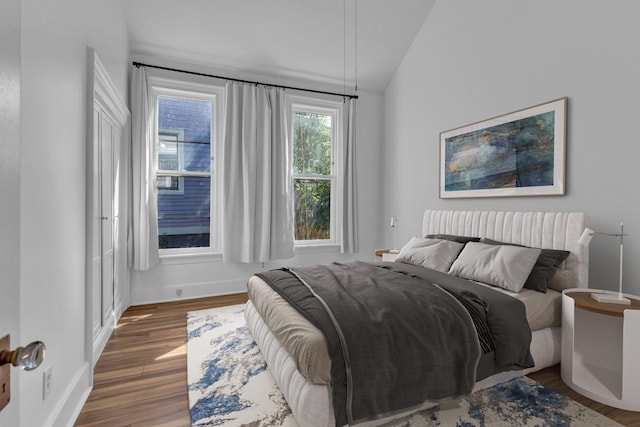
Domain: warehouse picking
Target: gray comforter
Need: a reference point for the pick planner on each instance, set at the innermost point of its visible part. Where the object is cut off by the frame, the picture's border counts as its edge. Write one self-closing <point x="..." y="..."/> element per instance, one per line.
<point x="396" y="339"/>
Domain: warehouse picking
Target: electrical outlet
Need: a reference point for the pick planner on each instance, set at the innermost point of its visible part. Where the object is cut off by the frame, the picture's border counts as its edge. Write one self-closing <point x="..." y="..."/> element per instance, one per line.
<point x="5" y="375"/>
<point x="47" y="382"/>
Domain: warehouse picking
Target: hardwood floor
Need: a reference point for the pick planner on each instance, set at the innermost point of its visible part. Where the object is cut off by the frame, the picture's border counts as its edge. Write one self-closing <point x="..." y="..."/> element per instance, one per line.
<point x="141" y="377"/>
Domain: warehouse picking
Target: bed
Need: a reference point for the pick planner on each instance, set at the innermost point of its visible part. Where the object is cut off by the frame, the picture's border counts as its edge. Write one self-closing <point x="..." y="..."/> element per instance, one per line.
<point x="299" y="356"/>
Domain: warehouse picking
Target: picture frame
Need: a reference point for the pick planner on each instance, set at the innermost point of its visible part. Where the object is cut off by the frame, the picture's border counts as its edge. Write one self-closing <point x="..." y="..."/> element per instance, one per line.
<point x="516" y="154"/>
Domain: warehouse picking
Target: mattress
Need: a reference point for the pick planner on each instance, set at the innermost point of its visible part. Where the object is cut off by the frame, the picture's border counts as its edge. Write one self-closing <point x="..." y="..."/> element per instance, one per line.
<point x="307" y="346"/>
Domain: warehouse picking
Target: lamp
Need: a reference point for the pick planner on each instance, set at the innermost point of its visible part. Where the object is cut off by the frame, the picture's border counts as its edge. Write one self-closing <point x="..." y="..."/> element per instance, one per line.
<point x="584" y="240"/>
<point x="394" y="226"/>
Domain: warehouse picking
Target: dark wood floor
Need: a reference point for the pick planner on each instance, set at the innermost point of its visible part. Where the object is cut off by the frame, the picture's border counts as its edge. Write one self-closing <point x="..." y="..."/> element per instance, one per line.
<point x="141" y="377"/>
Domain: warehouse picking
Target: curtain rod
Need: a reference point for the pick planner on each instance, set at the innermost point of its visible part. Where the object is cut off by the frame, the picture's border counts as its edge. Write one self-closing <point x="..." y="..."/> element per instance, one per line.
<point x="139" y="64"/>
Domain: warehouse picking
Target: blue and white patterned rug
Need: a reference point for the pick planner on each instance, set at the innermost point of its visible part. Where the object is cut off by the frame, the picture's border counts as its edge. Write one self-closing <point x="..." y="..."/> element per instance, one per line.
<point x="230" y="385"/>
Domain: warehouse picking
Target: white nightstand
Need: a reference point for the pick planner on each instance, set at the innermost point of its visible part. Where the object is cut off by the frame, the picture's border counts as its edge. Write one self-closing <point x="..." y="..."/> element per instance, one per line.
<point x="601" y="348"/>
<point x="387" y="254"/>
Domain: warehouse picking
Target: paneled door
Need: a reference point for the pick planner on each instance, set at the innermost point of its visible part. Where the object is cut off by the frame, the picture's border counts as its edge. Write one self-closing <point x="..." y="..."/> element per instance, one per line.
<point x="107" y="275"/>
<point x="103" y="290"/>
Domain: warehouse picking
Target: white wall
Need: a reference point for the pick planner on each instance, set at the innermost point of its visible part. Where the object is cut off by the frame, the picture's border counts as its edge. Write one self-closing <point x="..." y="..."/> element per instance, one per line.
<point x="193" y="277"/>
<point x="476" y="60"/>
<point x="55" y="37"/>
<point x="10" y="193"/>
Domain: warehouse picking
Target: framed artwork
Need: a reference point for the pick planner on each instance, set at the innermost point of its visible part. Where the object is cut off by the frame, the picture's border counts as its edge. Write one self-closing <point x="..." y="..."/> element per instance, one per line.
<point x="516" y="154"/>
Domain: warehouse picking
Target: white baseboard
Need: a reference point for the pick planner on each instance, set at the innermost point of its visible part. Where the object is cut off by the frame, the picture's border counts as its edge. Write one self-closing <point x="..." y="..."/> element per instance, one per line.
<point x="187" y="291"/>
<point x="101" y="340"/>
<point x="67" y="410"/>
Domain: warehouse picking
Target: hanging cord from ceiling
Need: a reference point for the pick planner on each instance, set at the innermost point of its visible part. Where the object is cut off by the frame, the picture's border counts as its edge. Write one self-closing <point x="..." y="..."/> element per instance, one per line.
<point x="356" y="44"/>
<point x="344" y="45"/>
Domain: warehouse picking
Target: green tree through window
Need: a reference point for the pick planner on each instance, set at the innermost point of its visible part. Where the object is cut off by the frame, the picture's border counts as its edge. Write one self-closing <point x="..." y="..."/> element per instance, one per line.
<point x="312" y="174"/>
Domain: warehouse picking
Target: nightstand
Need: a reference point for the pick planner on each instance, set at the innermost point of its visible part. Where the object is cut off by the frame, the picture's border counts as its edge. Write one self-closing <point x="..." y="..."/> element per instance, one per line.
<point x="387" y="254"/>
<point x="601" y="348"/>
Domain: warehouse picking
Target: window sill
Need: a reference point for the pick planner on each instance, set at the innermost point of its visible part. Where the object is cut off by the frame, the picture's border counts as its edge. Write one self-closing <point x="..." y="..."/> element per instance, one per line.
<point x="194" y="258"/>
<point x="314" y="249"/>
<point x="197" y="258"/>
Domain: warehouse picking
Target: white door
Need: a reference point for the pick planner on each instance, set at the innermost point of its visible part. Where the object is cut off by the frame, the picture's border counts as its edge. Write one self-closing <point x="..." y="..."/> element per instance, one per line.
<point x="107" y="195"/>
<point x="10" y="193"/>
<point x="107" y="275"/>
<point x="102" y="246"/>
<point x="95" y="280"/>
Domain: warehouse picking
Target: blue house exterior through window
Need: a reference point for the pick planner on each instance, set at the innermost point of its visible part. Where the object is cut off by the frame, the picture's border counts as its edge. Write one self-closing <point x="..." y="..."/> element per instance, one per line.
<point x="184" y="172"/>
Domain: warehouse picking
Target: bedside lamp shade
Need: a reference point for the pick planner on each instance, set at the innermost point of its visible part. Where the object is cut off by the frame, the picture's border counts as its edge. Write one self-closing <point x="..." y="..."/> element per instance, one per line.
<point x="586" y="236"/>
<point x="394" y="226"/>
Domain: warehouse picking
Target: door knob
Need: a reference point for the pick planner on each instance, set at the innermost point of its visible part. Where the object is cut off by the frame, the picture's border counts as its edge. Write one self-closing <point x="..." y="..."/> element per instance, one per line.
<point x="27" y="358"/>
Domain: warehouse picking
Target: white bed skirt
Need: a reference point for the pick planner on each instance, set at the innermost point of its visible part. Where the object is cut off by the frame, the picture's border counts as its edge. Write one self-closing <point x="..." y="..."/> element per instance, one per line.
<point x="311" y="404"/>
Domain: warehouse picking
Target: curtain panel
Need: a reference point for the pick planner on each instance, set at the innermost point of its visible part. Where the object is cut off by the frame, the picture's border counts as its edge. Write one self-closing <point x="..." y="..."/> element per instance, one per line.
<point x="349" y="193"/>
<point x="143" y="235"/>
<point x="257" y="195"/>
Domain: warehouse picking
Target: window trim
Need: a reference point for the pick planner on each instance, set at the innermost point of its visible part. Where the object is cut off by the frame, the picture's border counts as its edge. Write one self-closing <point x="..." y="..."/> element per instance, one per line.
<point x="336" y="110"/>
<point x="200" y="92"/>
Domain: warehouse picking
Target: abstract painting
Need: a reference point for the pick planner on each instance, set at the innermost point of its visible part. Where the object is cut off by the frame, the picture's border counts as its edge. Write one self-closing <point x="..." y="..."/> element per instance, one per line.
<point x="516" y="154"/>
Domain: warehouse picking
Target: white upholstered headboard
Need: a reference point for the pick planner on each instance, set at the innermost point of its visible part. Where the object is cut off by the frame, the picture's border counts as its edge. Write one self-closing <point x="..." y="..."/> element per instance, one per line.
<point x="548" y="230"/>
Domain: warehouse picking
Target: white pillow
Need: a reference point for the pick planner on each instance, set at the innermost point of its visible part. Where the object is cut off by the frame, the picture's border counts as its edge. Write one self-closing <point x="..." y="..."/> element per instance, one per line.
<point x="436" y="254"/>
<point x="504" y="266"/>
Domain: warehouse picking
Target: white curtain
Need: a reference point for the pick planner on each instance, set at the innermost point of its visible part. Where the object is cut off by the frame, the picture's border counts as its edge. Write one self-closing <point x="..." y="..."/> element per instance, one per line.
<point x="257" y="194"/>
<point x="349" y="202"/>
<point x="143" y="236"/>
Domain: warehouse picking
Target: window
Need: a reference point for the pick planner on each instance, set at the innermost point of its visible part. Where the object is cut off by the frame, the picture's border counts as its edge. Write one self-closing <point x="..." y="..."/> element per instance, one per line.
<point x="187" y="125"/>
<point x="315" y="137"/>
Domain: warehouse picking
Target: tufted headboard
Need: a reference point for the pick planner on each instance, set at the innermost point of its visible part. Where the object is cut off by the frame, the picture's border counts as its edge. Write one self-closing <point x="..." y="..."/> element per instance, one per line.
<point x="548" y="230"/>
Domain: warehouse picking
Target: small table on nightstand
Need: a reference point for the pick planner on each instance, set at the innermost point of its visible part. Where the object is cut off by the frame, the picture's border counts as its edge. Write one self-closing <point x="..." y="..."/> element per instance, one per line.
<point x="387" y="254"/>
<point x="601" y="348"/>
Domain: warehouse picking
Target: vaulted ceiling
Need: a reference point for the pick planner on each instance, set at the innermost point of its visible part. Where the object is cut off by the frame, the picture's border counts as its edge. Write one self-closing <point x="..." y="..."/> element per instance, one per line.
<point x="302" y="40"/>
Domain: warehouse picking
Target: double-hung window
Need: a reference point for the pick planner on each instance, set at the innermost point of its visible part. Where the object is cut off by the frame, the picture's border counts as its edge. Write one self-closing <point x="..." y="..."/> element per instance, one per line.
<point x="187" y="123"/>
<point x="316" y="137"/>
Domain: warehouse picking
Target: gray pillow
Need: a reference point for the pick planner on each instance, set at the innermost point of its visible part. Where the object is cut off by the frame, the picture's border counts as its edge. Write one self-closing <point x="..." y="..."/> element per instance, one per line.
<point x="500" y="265"/>
<point x="545" y="266"/>
<point x="562" y="279"/>
<point x="453" y="238"/>
<point x="436" y="254"/>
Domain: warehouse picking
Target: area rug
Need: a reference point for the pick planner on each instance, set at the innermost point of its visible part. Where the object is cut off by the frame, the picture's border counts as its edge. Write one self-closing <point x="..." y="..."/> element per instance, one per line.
<point x="230" y="385"/>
